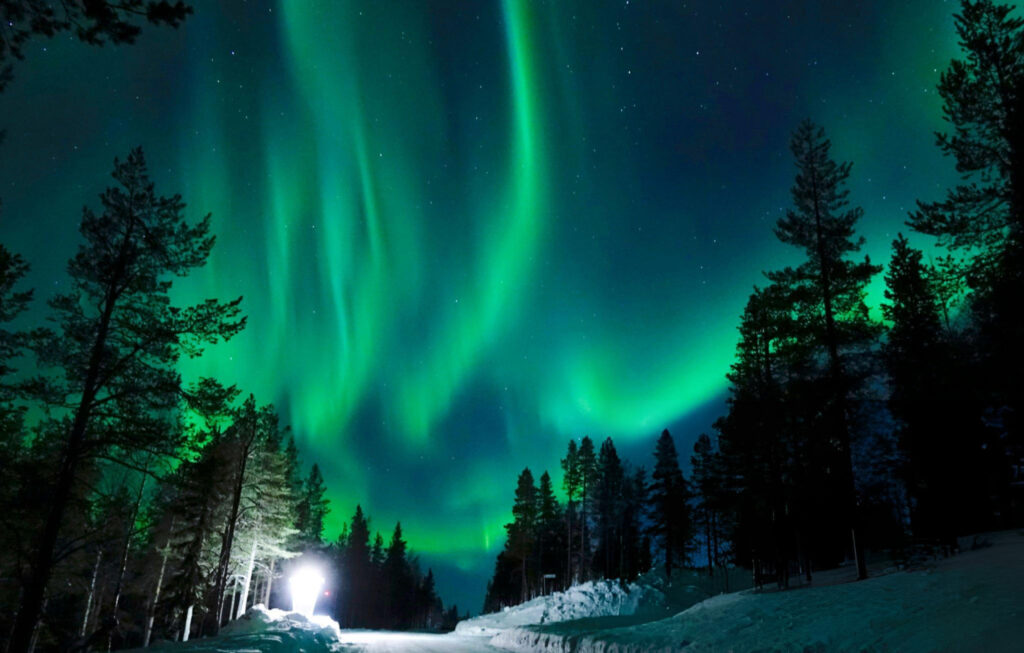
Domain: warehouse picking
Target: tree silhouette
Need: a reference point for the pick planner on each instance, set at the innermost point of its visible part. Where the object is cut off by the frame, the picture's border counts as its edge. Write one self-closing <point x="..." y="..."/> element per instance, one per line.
<point x="669" y="510"/>
<point x="119" y="342"/>
<point x="828" y="289"/>
<point x="96" y="22"/>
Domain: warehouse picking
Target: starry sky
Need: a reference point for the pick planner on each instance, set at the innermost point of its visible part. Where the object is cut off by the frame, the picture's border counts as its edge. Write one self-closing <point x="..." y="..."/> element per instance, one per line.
<point x="466" y="232"/>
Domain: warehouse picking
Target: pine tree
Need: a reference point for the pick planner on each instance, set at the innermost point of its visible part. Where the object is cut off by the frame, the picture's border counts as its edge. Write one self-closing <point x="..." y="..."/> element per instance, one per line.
<point x="549" y="529"/>
<point x="940" y="443"/>
<point x="522" y="531"/>
<point x="669" y="509"/>
<point x="239" y="446"/>
<point x="707" y="483"/>
<point x="610" y="479"/>
<point x="983" y="100"/>
<point x="398" y="580"/>
<point x="313" y="509"/>
<point x="429" y="607"/>
<point x="119" y="343"/>
<point x="377" y="603"/>
<point x="586" y="468"/>
<point x="635" y="560"/>
<point x="828" y="290"/>
<point x="571" y="485"/>
<point x="982" y="218"/>
<point x="765" y="438"/>
<point x="358" y="566"/>
<point x="268" y="516"/>
<point x="293" y="468"/>
<point x="197" y="510"/>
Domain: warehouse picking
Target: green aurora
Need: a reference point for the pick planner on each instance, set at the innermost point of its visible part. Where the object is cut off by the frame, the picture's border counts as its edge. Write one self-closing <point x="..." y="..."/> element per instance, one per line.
<point x="469" y="231"/>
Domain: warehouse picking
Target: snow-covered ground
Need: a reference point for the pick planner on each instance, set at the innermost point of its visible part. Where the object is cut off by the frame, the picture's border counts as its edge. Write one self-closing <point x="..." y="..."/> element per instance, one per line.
<point x="270" y="631"/>
<point x="971" y="602"/>
<point x="276" y="631"/>
<point x="588" y="600"/>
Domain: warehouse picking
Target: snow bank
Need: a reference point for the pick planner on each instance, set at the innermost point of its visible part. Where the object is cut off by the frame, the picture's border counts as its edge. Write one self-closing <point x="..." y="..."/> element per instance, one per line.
<point x="271" y="631"/>
<point x="968" y="603"/>
<point x="591" y="599"/>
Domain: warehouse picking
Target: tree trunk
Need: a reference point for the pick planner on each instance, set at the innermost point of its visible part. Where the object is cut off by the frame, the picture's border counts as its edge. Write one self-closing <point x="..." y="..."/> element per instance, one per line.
<point x="569" y="576"/>
<point x="523" y="568"/>
<point x="710" y="537"/>
<point x="584" y="572"/>
<point x="248" y="577"/>
<point x="188" y="623"/>
<point x="92" y="593"/>
<point x="151" y="612"/>
<point x="219" y="616"/>
<point x="229" y="530"/>
<point x="235" y="595"/>
<point x="270" y="581"/>
<point x="125" y="547"/>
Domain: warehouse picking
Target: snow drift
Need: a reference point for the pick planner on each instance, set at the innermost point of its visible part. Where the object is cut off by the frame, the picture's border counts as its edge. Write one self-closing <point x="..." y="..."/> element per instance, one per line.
<point x="967" y="603"/>
<point x="591" y="599"/>
<point x="271" y="631"/>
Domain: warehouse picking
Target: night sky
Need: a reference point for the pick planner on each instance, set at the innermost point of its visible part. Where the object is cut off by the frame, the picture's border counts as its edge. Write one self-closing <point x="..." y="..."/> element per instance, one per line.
<point x="469" y="231"/>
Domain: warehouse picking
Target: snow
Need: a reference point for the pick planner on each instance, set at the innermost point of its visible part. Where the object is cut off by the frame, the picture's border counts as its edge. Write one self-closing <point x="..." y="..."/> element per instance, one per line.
<point x="276" y="631"/>
<point x="587" y="600"/>
<point x="970" y="602"/>
<point x="271" y="631"/>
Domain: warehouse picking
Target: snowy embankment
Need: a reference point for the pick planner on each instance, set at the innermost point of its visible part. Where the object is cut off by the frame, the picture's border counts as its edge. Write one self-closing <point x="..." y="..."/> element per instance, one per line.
<point x="271" y="631"/>
<point x="592" y="599"/>
<point x="971" y="602"/>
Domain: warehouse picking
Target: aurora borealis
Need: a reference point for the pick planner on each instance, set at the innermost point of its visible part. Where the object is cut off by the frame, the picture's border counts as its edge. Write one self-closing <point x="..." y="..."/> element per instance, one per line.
<point x="469" y="231"/>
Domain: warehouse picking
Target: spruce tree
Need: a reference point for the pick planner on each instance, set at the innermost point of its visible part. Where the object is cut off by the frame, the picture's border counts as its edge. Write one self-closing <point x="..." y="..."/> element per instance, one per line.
<point x="549" y="529"/>
<point x="635" y="560"/>
<point x="707" y="485"/>
<point x="522" y="531"/>
<point x="398" y="580"/>
<point x="358" y="567"/>
<point x="766" y="438"/>
<point x="313" y="509"/>
<point x="610" y="480"/>
<point x="669" y="510"/>
<point x="119" y="341"/>
<point x="571" y="485"/>
<point x="586" y="468"/>
<point x="827" y="291"/>
<point x="937" y="428"/>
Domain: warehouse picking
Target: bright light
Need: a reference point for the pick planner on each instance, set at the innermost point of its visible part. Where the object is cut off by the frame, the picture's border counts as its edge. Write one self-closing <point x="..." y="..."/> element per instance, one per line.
<point x="305" y="585"/>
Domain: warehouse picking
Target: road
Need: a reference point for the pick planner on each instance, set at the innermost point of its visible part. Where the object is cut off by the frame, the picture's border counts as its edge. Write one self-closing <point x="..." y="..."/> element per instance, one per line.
<point x="375" y="641"/>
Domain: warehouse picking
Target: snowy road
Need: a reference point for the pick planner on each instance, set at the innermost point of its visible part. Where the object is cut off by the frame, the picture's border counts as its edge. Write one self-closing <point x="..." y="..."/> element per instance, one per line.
<point x="386" y="642"/>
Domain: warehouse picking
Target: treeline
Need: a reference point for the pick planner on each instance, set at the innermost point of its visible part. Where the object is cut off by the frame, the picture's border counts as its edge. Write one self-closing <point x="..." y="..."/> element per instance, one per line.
<point x="382" y="586"/>
<point x="135" y="507"/>
<point x="846" y="433"/>
<point x="612" y="519"/>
